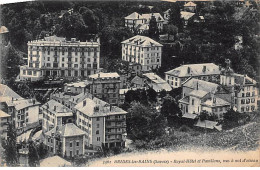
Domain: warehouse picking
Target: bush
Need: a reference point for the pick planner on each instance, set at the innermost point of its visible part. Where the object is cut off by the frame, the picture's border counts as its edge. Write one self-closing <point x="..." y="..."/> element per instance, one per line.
<point x="184" y="128"/>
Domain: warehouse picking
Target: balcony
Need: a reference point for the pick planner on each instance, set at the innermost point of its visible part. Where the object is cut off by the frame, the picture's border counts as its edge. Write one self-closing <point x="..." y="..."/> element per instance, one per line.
<point x="116" y="126"/>
<point x="116" y="120"/>
<point x="115" y="133"/>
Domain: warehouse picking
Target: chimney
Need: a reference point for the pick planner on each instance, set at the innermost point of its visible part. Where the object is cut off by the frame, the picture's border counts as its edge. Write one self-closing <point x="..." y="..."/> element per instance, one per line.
<point x="33" y="101"/>
<point x="84" y="103"/>
<point x="204" y="69"/>
<point x="110" y="107"/>
<point x="98" y="75"/>
<point x="197" y="87"/>
<point x="54" y="108"/>
<point x="214" y="99"/>
<point x="188" y="70"/>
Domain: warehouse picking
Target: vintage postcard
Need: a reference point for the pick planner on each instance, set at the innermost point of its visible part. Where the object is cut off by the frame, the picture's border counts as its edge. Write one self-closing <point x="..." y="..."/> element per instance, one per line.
<point x="130" y="83"/>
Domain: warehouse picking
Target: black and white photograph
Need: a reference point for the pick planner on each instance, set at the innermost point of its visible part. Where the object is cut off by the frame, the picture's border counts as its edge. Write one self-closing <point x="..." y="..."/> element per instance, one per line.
<point x="127" y="83"/>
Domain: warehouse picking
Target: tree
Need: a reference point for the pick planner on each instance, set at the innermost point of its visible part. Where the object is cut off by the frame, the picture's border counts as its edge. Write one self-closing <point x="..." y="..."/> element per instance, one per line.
<point x="203" y="115"/>
<point x="142" y="123"/>
<point x="170" y="108"/>
<point x="171" y="30"/>
<point x="163" y="93"/>
<point x="175" y="16"/>
<point x="152" y="95"/>
<point x="10" y="153"/>
<point x="42" y="150"/>
<point x="153" y="31"/>
<point x="33" y="157"/>
<point x="232" y="118"/>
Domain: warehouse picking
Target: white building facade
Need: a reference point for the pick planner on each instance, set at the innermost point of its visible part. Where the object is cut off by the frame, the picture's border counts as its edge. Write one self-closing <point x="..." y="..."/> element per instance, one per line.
<point x="142" y="50"/>
<point x="56" y="57"/>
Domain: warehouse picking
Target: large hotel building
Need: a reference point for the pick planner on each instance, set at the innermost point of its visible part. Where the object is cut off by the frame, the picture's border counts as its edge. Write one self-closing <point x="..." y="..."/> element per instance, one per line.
<point x="54" y="56"/>
<point x="142" y="50"/>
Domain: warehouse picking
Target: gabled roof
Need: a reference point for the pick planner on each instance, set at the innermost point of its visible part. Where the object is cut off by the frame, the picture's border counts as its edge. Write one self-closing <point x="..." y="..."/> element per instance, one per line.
<point x="184" y="100"/>
<point x="3" y="30"/>
<point x="195" y="70"/>
<point x="134" y="15"/>
<point x="143" y="41"/>
<point x="105" y="75"/>
<point x="56" y="107"/>
<point x="197" y="84"/>
<point x="198" y="93"/>
<point x="186" y="15"/>
<point x="138" y="80"/>
<point x="67" y="130"/>
<point x="5" y="91"/>
<point x="218" y="102"/>
<point x="3" y="114"/>
<point x="190" y="4"/>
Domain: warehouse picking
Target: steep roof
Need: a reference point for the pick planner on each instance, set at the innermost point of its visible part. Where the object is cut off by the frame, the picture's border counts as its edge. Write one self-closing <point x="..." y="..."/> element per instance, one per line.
<point x="3" y="114"/>
<point x="190" y="4"/>
<point x="3" y="30"/>
<point x="96" y="108"/>
<point x="186" y="15"/>
<point x="5" y="91"/>
<point x="143" y="41"/>
<point x="194" y="70"/>
<point x="105" y="75"/>
<point x="138" y="80"/>
<point x="78" y="98"/>
<point x="184" y="100"/>
<point x="134" y="15"/>
<point x="201" y="85"/>
<point x="218" y="102"/>
<point x="56" y="107"/>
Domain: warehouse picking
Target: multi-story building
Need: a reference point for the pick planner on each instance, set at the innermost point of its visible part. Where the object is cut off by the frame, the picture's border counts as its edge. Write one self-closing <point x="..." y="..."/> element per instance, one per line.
<point x="102" y="122"/>
<point x="157" y="83"/>
<point x="199" y="95"/>
<point x="142" y="50"/>
<point x="67" y="140"/>
<point x="5" y="119"/>
<point x="24" y="112"/>
<point x="140" y="22"/>
<point x="105" y="86"/>
<point x="243" y="89"/>
<point x="55" y="114"/>
<point x="54" y="56"/>
<point x="207" y="71"/>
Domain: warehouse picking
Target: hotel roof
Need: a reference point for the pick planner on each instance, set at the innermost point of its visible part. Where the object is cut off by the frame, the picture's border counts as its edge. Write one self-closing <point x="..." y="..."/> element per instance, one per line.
<point x="195" y="70"/>
<point x="197" y="84"/>
<point x="67" y="130"/>
<point x="97" y="108"/>
<point x="143" y="41"/>
<point x="186" y="15"/>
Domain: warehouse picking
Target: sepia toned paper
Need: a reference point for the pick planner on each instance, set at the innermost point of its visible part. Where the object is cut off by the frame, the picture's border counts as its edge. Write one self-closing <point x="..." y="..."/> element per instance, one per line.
<point x="184" y="146"/>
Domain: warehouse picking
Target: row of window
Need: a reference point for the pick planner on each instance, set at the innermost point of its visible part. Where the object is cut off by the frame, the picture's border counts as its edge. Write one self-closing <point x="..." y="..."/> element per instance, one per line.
<point x="142" y="48"/>
<point x="31" y="48"/>
<point x="246" y="101"/>
<point x="247" y="108"/>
